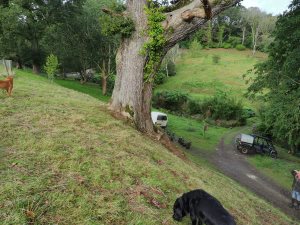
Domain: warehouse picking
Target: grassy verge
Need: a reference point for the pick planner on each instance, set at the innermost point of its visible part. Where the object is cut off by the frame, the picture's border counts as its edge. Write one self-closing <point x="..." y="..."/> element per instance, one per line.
<point x="192" y="130"/>
<point x="65" y="160"/>
<point x="280" y="169"/>
<point x="90" y="89"/>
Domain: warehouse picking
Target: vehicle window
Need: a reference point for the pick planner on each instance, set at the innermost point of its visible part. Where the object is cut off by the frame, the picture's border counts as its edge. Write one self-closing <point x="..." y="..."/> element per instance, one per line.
<point x="161" y="117"/>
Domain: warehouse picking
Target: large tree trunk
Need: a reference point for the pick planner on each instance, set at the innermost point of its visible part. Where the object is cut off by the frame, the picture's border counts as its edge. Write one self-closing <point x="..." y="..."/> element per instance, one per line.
<point x="36" y="69"/>
<point x="131" y="95"/>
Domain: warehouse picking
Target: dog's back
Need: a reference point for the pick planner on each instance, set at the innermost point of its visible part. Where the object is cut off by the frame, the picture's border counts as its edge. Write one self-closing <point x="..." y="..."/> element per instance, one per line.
<point x="210" y="208"/>
<point x="7" y="84"/>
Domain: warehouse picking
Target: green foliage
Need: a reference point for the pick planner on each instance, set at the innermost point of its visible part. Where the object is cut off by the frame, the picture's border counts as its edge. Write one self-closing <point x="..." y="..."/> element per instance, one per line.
<point x="117" y="23"/>
<point x="277" y="81"/>
<point x="174" y="101"/>
<point x="221" y="107"/>
<point x="51" y="66"/>
<point x="240" y="47"/>
<point x="227" y="45"/>
<point x="153" y="49"/>
<point x="234" y="41"/>
<point x="171" y="68"/>
<point x="160" y="78"/>
<point x="195" y="48"/>
<point x="216" y="59"/>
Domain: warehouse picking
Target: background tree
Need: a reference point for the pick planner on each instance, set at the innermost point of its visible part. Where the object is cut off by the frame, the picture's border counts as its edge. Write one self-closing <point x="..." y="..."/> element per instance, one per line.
<point x="156" y="31"/>
<point x="24" y="24"/>
<point x="278" y="81"/>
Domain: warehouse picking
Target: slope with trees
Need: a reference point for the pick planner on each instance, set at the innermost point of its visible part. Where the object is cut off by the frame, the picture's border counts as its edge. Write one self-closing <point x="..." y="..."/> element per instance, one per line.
<point x="278" y="81"/>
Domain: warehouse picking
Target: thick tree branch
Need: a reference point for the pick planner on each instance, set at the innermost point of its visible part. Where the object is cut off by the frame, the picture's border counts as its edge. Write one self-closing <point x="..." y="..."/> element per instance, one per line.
<point x="183" y="22"/>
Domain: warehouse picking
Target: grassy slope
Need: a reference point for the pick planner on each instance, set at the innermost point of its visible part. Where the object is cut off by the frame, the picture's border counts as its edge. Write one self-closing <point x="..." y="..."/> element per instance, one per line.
<point x="65" y="160"/>
<point x="280" y="169"/>
<point x="197" y="75"/>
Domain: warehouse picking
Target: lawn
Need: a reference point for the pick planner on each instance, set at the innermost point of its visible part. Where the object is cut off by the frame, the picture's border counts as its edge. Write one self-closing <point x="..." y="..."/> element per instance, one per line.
<point x="192" y="130"/>
<point x="65" y="160"/>
<point x="200" y="77"/>
<point x="280" y="169"/>
<point x="87" y="88"/>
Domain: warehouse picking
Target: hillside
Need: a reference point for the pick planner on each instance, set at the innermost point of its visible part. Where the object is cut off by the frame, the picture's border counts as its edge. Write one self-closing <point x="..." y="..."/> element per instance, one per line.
<point x="65" y="160"/>
<point x="199" y="76"/>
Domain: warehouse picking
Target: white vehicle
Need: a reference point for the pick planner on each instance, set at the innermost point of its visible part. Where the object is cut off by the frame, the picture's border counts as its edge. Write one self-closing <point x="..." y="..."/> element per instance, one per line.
<point x="159" y="119"/>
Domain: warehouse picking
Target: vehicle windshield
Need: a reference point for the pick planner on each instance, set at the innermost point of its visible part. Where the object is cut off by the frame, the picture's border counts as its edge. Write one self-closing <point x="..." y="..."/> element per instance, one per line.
<point x="161" y="117"/>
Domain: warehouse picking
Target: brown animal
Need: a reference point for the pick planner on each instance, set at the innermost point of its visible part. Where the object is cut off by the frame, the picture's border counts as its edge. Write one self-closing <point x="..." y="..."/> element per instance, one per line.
<point x="7" y="84"/>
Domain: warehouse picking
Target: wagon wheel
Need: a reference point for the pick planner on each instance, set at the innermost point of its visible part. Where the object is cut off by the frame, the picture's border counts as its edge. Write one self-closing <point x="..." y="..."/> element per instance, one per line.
<point x="244" y="150"/>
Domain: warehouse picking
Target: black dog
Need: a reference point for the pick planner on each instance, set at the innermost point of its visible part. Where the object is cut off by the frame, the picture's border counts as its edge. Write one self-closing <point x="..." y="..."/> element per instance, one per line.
<point x="203" y="208"/>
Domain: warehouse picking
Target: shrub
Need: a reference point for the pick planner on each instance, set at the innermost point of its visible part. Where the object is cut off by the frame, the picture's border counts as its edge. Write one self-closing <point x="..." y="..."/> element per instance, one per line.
<point x="111" y="83"/>
<point x="223" y="107"/>
<point x="171" y="68"/>
<point x="216" y="59"/>
<point x="159" y="78"/>
<point x="227" y="45"/>
<point x="194" y="107"/>
<point x="51" y="66"/>
<point x="175" y="101"/>
<point x="240" y="47"/>
<point x="195" y="48"/>
<point x="234" y="41"/>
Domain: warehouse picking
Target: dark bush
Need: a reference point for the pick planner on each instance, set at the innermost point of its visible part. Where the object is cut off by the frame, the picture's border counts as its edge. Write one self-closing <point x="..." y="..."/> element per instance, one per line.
<point x="227" y="45"/>
<point x="111" y="83"/>
<point x="234" y="41"/>
<point x="175" y="101"/>
<point x="220" y="107"/>
<point x="171" y="68"/>
<point x="159" y="78"/>
<point x="195" y="107"/>
<point x="240" y="47"/>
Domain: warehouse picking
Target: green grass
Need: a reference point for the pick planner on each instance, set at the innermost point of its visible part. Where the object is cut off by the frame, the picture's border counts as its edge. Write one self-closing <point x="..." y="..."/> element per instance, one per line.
<point x="90" y="89"/>
<point x="200" y="77"/>
<point x="192" y="130"/>
<point x="65" y="160"/>
<point x="280" y="169"/>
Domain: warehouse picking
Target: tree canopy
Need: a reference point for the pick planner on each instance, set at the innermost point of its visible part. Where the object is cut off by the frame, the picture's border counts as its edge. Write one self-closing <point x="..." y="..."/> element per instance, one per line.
<point x="278" y="80"/>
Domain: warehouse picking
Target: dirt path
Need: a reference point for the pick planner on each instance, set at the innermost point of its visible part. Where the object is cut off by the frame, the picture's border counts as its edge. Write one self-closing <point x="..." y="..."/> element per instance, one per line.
<point x="234" y="165"/>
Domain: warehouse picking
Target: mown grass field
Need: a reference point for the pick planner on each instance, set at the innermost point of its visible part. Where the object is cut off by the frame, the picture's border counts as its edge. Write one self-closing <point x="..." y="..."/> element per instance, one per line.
<point x="200" y="77"/>
<point x="65" y="160"/>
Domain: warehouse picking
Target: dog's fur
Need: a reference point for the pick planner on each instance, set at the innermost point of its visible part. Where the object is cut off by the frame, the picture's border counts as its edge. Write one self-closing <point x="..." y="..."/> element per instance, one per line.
<point x="203" y="208"/>
<point x="7" y="84"/>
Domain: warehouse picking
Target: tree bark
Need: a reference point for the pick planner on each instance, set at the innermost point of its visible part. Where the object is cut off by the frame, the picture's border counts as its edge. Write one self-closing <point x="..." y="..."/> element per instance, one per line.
<point x="131" y="95"/>
<point x="244" y="34"/>
<point x="36" y="68"/>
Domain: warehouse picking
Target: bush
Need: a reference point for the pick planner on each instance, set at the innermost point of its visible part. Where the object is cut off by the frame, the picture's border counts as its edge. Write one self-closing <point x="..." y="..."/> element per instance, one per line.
<point x="195" y="107"/>
<point x="216" y="59"/>
<point x="227" y="45"/>
<point x="111" y="83"/>
<point x="240" y="47"/>
<point x="171" y="68"/>
<point x="234" y="41"/>
<point x="160" y="78"/>
<point x="51" y="66"/>
<point x="220" y="107"/>
<point x="175" y="101"/>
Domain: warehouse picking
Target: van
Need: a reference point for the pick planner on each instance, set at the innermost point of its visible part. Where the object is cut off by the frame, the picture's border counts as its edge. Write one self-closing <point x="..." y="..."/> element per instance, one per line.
<point x="159" y="119"/>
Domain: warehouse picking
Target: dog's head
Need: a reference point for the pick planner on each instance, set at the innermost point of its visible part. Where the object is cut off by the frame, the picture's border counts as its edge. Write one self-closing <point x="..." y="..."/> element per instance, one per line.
<point x="178" y="209"/>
